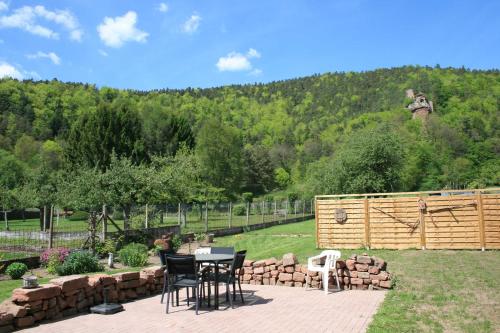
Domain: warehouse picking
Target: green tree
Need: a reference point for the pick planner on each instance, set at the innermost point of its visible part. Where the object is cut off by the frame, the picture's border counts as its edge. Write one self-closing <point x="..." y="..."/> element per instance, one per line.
<point x="219" y="149"/>
<point x="96" y="135"/>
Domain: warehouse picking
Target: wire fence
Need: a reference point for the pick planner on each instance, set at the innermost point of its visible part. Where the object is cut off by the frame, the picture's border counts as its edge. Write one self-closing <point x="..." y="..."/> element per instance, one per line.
<point x="66" y="228"/>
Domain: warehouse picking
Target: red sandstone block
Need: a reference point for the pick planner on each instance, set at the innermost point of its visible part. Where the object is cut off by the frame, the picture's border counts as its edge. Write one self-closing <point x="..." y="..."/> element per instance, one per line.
<point x="289" y="259"/>
<point x="39" y="315"/>
<point x="361" y="267"/>
<point x="299" y="277"/>
<point x="340" y="264"/>
<point x="274" y="273"/>
<point x="265" y="281"/>
<point x="270" y="261"/>
<point x="156" y="271"/>
<point x="260" y="263"/>
<point x="285" y="277"/>
<point x="373" y="270"/>
<point x="126" y="276"/>
<point x="298" y="284"/>
<point x="272" y="267"/>
<point x="281" y="269"/>
<point x="9" y="307"/>
<point x="350" y="264"/>
<point x="258" y="270"/>
<point x="364" y="260"/>
<point x="363" y="275"/>
<point x="247" y="270"/>
<point x="6" y="318"/>
<point x="266" y="275"/>
<point x="248" y="263"/>
<point x="375" y="282"/>
<point x="385" y="284"/>
<point x="71" y="282"/>
<point x="312" y="273"/>
<point x="382" y="276"/>
<point x="43" y="292"/>
<point x="288" y="283"/>
<point x="356" y="281"/>
<point x="289" y="269"/>
<point x="24" y="321"/>
<point x="247" y="277"/>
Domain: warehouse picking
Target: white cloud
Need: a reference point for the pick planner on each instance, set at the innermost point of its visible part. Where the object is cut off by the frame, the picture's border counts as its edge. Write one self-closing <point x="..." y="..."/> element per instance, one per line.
<point x="51" y="55"/>
<point x="256" y="72"/>
<point x="25" y="18"/>
<point x="192" y="24"/>
<point x="235" y="62"/>
<point x="3" y="6"/>
<point x="103" y="53"/>
<point x="7" y="70"/>
<point x="253" y="53"/>
<point x="114" y="32"/>
<point x="163" y="7"/>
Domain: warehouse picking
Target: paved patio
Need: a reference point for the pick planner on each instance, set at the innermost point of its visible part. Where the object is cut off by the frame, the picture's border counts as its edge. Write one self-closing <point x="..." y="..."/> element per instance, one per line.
<point x="267" y="309"/>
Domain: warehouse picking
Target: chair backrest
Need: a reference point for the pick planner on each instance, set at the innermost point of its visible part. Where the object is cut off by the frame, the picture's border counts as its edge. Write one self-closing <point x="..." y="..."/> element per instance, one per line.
<point x="331" y="257"/>
<point x="203" y="250"/>
<point x="239" y="258"/>
<point x="222" y="250"/>
<point x="162" y="254"/>
<point x="177" y="264"/>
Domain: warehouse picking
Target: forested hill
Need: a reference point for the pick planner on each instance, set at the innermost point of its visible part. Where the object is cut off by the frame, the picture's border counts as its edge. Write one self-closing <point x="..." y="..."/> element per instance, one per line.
<point x="305" y="134"/>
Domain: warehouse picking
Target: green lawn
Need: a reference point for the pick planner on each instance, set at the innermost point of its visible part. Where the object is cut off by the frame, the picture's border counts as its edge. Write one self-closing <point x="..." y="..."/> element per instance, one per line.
<point x="436" y="291"/>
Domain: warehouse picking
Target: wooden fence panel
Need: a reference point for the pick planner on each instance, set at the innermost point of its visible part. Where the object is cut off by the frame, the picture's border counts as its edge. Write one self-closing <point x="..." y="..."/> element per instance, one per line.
<point x="468" y="219"/>
<point x="394" y="223"/>
<point x="346" y="235"/>
<point x="491" y="213"/>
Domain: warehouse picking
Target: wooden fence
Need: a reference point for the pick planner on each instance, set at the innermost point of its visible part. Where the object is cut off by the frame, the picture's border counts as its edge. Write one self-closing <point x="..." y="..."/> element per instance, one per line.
<point x="465" y="219"/>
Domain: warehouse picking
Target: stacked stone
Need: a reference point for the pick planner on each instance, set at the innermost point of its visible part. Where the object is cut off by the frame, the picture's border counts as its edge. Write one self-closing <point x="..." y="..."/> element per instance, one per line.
<point x="365" y="272"/>
<point x="285" y="272"/>
<point x="70" y="295"/>
<point x="358" y="272"/>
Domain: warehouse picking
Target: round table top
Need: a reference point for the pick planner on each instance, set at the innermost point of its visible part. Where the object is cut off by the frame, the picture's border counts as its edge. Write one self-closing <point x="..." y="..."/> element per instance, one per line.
<point x="213" y="257"/>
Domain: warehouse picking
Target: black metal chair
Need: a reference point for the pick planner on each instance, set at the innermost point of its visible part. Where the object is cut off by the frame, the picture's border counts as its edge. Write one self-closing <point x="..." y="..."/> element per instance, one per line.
<point x="162" y="254"/>
<point x="182" y="272"/>
<point x="230" y="276"/>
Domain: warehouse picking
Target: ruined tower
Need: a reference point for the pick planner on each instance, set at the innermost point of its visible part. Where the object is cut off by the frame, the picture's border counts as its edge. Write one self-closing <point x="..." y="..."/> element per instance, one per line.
<point x="420" y="107"/>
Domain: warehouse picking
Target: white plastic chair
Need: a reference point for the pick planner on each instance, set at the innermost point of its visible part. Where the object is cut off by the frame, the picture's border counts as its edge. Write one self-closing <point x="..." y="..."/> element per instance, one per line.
<point x="330" y="263"/>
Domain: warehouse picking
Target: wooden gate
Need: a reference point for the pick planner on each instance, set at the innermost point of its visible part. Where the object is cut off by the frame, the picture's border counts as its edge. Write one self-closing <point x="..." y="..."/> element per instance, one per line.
<point x="464" y="219"/>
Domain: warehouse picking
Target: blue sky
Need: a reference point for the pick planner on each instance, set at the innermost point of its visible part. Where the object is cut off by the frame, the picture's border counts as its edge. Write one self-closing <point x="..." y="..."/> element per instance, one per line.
<point x="178" y="44"/>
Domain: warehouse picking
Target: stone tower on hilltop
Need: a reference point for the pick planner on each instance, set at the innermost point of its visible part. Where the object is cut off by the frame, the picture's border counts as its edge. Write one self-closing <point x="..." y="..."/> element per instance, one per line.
<point x="420" y="107"/>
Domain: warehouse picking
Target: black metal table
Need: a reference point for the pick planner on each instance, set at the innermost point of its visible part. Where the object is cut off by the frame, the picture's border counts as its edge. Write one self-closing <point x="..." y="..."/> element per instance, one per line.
<point x="215" y="259"/>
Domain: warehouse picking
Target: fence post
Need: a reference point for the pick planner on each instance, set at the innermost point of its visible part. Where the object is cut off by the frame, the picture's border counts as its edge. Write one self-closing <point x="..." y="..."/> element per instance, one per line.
<point x="104" y="222"/>
<point x="230" y="213"/>
<point x="275" y="208"/>
<point x="367" y="223"/>
<point x="312" y="206"/>
<point x="316" y="218"/>
<point x="44" y="218"/>
<point x="248" y="212"/>
<point x="303" y="208"/>
<point x="51" y="227"/>
<point x="480" y="214"/>
<point x="286" y="209"/>
<point x="421" y="215"/>
<point x="262" y="210"/>
<point x="147" y="217"/>
<point x="179" y="214"/>
<point x="206" y="216"/>
<point x="295" y="208"/>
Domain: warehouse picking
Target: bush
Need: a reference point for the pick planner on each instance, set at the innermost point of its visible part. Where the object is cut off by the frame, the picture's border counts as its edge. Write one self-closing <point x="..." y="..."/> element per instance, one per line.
<point x="247" y="196"/>
<point x="80" y="262"/>
<point x="106" y="247"/>
<point x="134" y="255"/>
<point x="79" y="216"/>
<point x="60" y="253"/>
<point x="176" y="242"/>
<point x="16" y="270"/>
<point x="239" y="210"/>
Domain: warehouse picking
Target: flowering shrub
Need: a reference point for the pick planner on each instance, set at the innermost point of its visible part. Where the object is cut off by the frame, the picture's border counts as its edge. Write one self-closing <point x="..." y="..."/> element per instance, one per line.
<point x="58" y="254"/>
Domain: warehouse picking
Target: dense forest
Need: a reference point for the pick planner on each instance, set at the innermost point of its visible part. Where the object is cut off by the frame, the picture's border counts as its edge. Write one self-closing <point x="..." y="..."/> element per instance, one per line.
<point x="330" y="133"/>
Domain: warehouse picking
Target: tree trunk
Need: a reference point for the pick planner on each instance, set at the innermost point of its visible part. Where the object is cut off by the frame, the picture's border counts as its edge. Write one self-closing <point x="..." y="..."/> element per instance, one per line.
<point x="6" y="220"/>
<point x="126" y="217"/>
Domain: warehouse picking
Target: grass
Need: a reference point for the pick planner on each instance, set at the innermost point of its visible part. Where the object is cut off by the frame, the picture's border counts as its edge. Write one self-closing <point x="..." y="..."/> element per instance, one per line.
<point x="436" y="291"/>
<point x="15" y="255"/>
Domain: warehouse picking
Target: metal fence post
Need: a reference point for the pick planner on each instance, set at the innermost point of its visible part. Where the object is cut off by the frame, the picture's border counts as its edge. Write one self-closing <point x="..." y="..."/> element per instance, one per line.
<point x="286" y="210"/>
<point x="179" y="214"/>
<point x="51" y="227"/>
<point x="248" y="212"/>
<point x="262" y="210"/>
<point x="104" y="222"/>
<point x="206" y="216"/>
<point x="230" y="213"/>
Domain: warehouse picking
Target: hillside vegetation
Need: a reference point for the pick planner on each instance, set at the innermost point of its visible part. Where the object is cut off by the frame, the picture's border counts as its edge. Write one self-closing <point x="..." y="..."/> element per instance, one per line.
<point x="329" y="133"/>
